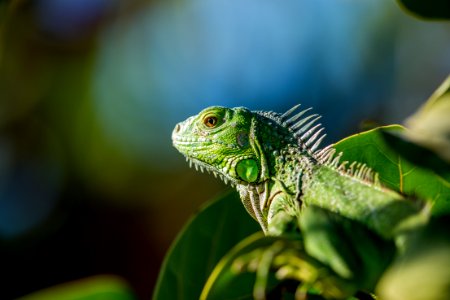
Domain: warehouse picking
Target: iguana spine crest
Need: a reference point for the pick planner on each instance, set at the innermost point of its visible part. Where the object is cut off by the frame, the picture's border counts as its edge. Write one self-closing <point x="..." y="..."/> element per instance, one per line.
<point x="309" y="140"/>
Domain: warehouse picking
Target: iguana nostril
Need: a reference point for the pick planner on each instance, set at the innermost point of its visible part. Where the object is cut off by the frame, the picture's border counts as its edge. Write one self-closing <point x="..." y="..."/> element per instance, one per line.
<point x="177" y="128"/>
<point x="176" y="131"/>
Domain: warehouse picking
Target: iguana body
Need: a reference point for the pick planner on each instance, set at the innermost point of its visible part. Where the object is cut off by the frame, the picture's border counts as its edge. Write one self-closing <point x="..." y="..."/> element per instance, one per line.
<point x="275" y="163"/>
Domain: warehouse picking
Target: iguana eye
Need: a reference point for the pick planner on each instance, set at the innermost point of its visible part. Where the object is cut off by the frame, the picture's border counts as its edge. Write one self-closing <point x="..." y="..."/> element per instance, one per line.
<point x="210" y="121"/>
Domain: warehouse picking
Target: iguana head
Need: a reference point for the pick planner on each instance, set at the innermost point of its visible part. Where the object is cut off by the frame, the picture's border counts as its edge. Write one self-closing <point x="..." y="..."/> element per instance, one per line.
<point x="243" y="146"/>
<point x="220" y="140"/>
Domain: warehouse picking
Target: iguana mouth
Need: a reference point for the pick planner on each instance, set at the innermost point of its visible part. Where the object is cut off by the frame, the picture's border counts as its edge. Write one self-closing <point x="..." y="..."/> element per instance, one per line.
<point x="187" y="143"/>
<point x="182" y="139"/>
<point x="202" y="167"/>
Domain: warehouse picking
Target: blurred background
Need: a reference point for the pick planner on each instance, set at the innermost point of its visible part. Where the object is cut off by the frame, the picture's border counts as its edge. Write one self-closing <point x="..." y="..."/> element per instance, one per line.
<point x="91" y="89"/>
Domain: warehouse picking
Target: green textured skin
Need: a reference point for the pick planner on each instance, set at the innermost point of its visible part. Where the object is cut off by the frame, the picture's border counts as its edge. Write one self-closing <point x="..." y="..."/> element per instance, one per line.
<point x="275" y="174"/>
<point x="378" y="208"/>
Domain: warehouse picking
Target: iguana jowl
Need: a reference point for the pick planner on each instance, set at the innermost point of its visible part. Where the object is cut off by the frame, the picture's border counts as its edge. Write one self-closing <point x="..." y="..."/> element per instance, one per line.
<point x="275" y="162"/>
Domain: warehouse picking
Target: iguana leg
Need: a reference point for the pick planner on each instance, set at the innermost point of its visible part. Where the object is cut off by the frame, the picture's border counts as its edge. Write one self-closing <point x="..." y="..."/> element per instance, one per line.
<point x="332" y="255"/>
<point x="282" y="217"/>
<point x="289" y="261"/>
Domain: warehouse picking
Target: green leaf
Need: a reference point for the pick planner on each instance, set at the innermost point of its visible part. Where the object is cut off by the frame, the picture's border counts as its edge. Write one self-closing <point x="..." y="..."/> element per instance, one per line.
<point x="348" y="247"/>
<point x="395" y="171"/>
<point x="417" y="154"/>
<point x="272" y="267"/>
<point x="226" y="283"/>
<point x="432" y="9"/>
<point x="92" y="288"/>
<point x="430" y="125"/>
<point x="438" y="96"/>
<point x="423" y="270"/>
<point x="208" y="236"/>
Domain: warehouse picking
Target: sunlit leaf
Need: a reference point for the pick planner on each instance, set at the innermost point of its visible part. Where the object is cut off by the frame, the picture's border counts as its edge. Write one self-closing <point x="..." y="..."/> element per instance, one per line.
<point x="92" y="288"/>
<point x="205" y="239"/>
<point x="395" y="171"/>
<point x="430" y="125"/>
<point x="437" y="96"/>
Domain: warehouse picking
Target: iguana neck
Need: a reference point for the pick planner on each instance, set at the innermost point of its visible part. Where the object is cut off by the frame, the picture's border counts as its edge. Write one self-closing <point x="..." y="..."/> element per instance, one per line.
<point x="290" y="165"/>
<point x="281" y="154"/>
<point x="282" y="166"/>
<point x="301" y="179"/>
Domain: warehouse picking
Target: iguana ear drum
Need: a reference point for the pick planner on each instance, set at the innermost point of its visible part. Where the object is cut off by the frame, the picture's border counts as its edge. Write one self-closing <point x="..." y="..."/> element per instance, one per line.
<point x="242" y="139"/>
<point x="247" y="170"/>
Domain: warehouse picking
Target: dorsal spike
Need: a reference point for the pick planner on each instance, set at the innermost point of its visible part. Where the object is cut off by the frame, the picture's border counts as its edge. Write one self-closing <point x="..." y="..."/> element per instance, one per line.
<point x="330" y="156"/>
<point x="305" y="127"/>
<point x="290" y="111"/>
<point x="360" y="170"/>
<point x="376" y="179"/>
<point x="321" y="152"/>
<point x="314" y="137"/>
<point x="302" y="121"/>
<point x="304" y="131"/>
<point x="310" y="139"/>
<point x="336" y="159"/>
<point x="367" y="175"/>
<point x="342" y="166"/>
<point x="293" y="119"/>
<point x="351" y="170"/>
<point x="317" y="143"/>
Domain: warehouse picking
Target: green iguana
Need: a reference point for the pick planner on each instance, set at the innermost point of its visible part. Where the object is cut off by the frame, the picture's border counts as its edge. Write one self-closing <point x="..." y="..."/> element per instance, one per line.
<point x="275" y="163"/>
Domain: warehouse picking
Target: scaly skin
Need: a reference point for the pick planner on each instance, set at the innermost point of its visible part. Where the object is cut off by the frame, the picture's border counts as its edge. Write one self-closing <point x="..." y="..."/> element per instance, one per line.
<point x="274" y="162"/>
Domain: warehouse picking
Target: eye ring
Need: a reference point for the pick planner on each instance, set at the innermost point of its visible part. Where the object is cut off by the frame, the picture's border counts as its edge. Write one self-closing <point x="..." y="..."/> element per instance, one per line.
<point x="210" y="121"/>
